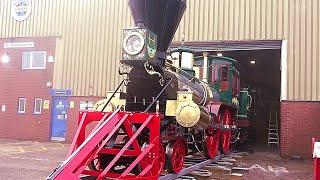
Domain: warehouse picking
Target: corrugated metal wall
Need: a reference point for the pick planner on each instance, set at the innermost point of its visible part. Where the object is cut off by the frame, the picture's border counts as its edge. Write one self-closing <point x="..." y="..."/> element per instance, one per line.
<point x="88" y="48"/>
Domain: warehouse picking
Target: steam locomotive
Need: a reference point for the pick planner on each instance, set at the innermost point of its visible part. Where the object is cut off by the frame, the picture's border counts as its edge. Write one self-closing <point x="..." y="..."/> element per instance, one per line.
<point x="197" y="95"/>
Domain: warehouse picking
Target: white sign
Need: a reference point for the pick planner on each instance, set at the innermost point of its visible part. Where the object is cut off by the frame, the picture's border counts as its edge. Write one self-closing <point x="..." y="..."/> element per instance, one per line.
<point x="18" y="45"/>
<point x="316" y="150"/>
<point x="21" y="9"/>
<point x="86" y="105"/>
<point x="50" y="59"/>
<point x="3" y="108"/>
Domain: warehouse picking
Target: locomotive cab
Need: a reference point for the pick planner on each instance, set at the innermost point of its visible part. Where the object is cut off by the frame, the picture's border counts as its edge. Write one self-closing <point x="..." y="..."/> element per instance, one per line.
<point x="223" y="76"/>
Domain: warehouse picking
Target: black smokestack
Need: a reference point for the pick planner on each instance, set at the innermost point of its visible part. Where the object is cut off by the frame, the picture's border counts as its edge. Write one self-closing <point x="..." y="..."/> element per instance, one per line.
<point x="160" y="16"/>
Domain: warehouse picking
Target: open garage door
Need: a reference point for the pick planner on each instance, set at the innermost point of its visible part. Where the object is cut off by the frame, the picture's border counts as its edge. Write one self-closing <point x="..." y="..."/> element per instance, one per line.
<point x="204" y="46"/>
<point x="260" y="67"/>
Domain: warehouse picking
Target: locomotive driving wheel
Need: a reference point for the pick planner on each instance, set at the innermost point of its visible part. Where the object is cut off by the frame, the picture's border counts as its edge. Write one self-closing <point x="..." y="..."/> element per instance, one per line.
<point x="175" y="155"/>
<point x="226" y="134"/>
<point x="211" y="144"/>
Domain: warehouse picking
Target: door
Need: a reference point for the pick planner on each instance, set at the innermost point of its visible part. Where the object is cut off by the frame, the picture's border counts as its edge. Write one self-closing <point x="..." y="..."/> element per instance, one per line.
<point x="59" y="118"/>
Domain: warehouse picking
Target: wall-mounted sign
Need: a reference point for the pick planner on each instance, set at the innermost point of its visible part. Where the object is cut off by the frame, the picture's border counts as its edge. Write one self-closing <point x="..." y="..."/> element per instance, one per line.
<point x="86" y="105"/>
<point x="50" y="59"/>
<point x="21" y="9"/>
<point x="71" y="105"/>
<point x="18" y="45"/>
<point x="46" y="104"/>
<point x="3" y="108"/>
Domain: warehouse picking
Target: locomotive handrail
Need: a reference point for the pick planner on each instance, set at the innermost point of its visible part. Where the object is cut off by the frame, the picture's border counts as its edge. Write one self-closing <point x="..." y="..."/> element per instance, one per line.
<point x="114" y="92"/>
<point x="155" y="99"/>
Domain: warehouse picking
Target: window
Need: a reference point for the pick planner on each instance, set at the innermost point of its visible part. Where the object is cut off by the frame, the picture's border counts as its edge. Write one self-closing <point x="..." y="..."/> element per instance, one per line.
<point x="224" y="73"/>
<point x="22" y="105"/>
<point x="214" y="72"/>
<point x="236" y="82"/>
<point x="224" y="86"/>
<point x="34" y="60"/>
<point x="37" y="106"/>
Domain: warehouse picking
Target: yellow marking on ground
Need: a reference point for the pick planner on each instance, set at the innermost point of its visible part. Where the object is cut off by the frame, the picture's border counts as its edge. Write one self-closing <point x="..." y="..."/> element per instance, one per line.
<point x="61" y="145"/>
<point x="28" y="146"/>
<point x="43" y="148"/>
<point x="21" y="149"/>
<point x="9" y="150"/>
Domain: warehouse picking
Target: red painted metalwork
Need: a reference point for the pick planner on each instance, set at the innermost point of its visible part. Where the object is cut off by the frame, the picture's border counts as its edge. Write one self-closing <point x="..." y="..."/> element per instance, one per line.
<point x="226" y="134"/>
<point x="149" y="158"/>
<point x="211" y="145"/>
<point x="176" y="153"/>
<point x="316" y="164"/>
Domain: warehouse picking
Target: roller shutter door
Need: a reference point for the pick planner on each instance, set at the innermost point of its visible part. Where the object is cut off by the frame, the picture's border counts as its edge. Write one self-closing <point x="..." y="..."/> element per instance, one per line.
<point x="208" y="46"/>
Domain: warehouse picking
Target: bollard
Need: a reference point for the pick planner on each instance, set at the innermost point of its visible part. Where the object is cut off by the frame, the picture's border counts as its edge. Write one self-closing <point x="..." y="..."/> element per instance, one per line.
<point x="316" y="157"/>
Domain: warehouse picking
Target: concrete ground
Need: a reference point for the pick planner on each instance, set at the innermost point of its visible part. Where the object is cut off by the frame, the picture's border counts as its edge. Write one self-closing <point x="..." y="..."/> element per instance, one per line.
<point x="35" y="160"/>
<point x="266" y="164"/>
<point x="29" y="159"/>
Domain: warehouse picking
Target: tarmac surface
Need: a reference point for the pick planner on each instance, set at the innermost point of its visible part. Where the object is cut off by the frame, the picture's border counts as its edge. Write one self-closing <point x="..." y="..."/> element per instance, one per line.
<point x="29" y="159"/>
<point x="35" y="160"/>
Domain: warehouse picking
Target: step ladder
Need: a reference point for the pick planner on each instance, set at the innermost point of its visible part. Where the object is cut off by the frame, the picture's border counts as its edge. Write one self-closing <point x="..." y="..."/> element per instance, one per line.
<point x="273" y="131"/>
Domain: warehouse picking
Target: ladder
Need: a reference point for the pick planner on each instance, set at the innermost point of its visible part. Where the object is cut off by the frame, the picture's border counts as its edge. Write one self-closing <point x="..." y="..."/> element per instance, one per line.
<point x="273" y="132"/>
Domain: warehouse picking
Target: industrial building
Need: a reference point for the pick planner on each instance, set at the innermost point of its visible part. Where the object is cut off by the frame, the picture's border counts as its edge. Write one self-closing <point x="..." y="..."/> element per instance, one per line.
<point x="64" y="55"/>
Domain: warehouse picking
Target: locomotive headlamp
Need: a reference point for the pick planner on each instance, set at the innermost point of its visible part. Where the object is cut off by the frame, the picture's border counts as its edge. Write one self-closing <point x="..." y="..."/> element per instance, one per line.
<point x="133" y="43"/>
<point x="138" y="44"/>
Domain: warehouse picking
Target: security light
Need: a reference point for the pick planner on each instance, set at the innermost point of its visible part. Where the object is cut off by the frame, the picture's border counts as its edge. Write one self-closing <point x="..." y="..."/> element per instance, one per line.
<point x="219" y="54"/>
<point x="5" y="58"/>
<point x="252" y="62"/>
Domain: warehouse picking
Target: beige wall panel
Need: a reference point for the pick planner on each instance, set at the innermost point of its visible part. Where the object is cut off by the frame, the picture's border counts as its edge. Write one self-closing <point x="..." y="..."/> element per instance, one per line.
<point x="89" y="35"/>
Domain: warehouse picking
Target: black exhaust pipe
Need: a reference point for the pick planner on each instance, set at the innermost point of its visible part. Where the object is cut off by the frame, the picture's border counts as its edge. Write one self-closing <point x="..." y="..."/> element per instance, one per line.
<point x="160" y="16"/>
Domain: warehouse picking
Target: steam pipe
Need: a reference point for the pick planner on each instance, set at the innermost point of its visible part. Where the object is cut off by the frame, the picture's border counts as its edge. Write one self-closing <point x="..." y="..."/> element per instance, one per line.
<point x="205" y="67"/>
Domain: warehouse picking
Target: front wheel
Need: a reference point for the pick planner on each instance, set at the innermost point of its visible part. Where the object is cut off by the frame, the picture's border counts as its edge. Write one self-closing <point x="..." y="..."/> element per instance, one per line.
<point x="175" y="156"/>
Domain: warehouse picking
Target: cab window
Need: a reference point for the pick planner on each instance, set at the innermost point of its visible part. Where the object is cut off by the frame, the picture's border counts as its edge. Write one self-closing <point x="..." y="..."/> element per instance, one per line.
<point x="224" y="78"/>
<point x="214" y="69"/>
<point x="224" y="73"/>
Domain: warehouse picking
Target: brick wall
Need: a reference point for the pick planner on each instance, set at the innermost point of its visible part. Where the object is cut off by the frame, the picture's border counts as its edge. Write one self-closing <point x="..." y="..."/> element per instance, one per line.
<point x="17" y="82"/>
<point x="300" y="121"/>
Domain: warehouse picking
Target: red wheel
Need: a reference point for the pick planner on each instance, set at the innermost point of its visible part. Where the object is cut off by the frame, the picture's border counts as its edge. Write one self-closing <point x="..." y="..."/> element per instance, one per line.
<point x="175" y="155"/>
<point x="211" y="145"/>
<point x="146" y="161"/>
<point x="226" y="134"/>
<point x="161" y="160"/>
